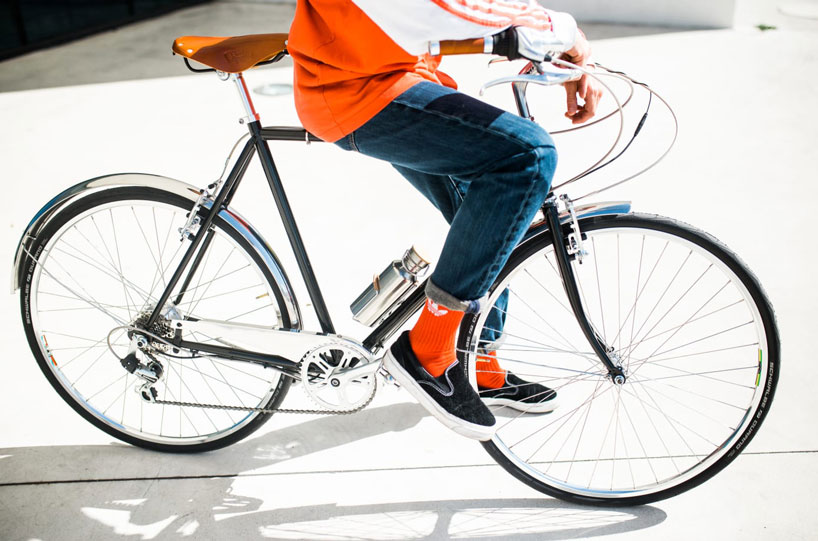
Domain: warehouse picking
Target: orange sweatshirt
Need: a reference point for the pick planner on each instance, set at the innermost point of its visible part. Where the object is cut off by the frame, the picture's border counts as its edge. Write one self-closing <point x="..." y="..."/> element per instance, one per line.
<point x="353" y="57"/>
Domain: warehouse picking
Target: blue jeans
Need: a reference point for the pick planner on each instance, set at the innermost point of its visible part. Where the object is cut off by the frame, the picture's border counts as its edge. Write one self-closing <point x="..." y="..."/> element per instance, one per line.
<point x="488" y="171"/>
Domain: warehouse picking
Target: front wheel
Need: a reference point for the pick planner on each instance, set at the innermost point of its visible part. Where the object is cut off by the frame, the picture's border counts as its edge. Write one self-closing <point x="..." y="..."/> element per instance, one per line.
<point x="96" y="272"/>
<point x="689" y="324"/>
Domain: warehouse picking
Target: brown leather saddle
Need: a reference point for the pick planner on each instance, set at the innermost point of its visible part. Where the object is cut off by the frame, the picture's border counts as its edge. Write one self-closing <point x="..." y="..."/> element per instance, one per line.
<point x="232" y="54"/>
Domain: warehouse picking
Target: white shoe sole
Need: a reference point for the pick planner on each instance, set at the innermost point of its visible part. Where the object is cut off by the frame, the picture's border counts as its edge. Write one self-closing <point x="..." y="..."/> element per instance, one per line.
<point x="541" y="407"/>
<point x="406" y="381"/>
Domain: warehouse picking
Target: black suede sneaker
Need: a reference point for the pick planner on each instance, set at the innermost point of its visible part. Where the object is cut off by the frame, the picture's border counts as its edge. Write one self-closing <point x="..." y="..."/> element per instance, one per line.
<point x="450" y="397"/>
<point x="521" y="395"/>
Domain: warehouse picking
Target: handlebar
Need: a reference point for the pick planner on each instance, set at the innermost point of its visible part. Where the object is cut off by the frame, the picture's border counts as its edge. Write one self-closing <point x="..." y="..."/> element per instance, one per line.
<point x="544" y="73"/>
<point x="464" y="46"/>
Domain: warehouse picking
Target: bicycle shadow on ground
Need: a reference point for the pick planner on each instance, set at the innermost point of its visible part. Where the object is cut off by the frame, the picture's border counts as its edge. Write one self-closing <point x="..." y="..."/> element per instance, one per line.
<point x="118" y="490"/>
<point x="217" y="509"/>
<point x="499" y="519"/>
<point x="120" y="461"/>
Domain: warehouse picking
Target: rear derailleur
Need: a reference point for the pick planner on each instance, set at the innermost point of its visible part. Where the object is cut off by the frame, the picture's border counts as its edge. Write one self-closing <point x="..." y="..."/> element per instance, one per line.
<point x="149" y="371"/>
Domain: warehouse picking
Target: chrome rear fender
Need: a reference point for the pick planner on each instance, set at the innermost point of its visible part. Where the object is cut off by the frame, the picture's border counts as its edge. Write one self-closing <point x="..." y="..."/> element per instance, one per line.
<point x="188" y="191"/>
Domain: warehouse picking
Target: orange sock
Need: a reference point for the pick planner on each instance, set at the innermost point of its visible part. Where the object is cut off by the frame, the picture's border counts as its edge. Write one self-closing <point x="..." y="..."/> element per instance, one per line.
<point x="489" y="373"/>
<point x="432" y="337"/>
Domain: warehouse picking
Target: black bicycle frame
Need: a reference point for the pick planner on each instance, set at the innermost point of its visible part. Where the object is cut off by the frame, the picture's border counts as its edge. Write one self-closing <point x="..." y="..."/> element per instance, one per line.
<point x="194" y="255"/>
<point x="257" y="144"/>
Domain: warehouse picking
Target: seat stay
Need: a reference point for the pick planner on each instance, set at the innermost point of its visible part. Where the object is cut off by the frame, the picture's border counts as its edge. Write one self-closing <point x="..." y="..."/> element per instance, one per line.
<point x="228" y="188"/>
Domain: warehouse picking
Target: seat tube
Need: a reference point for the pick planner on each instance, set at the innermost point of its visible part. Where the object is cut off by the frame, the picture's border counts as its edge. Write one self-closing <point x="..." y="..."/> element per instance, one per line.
<point x="290" y="227"/>
<point x="287" y="217"/>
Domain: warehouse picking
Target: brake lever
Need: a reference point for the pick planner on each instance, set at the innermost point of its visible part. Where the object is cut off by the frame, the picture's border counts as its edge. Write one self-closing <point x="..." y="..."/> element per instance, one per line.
<point x="547" y="77"/>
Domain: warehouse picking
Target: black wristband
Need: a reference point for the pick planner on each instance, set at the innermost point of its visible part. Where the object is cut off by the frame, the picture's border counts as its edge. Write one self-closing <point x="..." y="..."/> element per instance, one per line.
<point x="505" y="44"/>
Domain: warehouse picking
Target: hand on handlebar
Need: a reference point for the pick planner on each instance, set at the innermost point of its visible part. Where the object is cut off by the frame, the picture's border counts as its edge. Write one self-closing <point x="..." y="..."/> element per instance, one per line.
<point x="521" y="42"/>
<point x="587" y="88"/>
<point x="518" y="42"/>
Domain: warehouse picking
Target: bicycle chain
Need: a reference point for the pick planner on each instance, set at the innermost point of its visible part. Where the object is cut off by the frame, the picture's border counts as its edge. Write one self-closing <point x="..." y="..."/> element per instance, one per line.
<point x="264" y="410"/>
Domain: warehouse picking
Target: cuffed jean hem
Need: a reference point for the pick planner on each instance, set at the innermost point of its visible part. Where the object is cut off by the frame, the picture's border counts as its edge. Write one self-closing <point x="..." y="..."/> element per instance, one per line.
<point x="447" y="300"/>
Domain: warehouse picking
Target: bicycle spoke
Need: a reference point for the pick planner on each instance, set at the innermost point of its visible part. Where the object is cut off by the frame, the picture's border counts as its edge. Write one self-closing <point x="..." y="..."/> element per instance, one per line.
<point x="94" y="362"/>
<point x="90" y="300"/>
<point x="697" y="341"/>
<point x="698" y="395"/>
<point x="547" y="290"/>
<point x="122" y="279"/>
<point x="128" y="299"/>
<point x="150" y="251"/>
<point x="102" y="342"/>
<point x="673" y="419"/>
<point x="658" y="435"/>
<point x="567" y="343"/>
<point x="182" y="413"/>
<point x="551" y="367"/>
<point x="206" y="289"/>
<point x="208" y="282"/>
<point x="582" y="429"/>
<point x="183" y="384"/>
<point x="664" y="292"/>
<point x="706" y="375"/>
<point x="231" y="292"/>
<point x="677" y="327"/>
<point x="686" y="406"/>
<point x="254" y="310"/>
<point x="569" y="414"/>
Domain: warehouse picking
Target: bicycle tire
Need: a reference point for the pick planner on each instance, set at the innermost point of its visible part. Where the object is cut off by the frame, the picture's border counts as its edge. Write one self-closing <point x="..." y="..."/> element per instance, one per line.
<point x="684" y="421"/>
<point x="107" y="237"/>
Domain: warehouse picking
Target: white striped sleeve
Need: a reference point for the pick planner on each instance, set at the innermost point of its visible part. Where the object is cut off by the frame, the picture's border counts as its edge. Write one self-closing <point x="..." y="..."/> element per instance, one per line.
<point x="413" y="24"/>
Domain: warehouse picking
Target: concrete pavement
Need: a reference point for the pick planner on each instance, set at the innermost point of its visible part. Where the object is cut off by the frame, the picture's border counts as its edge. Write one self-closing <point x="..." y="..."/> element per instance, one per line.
<point x="743" y="169"/>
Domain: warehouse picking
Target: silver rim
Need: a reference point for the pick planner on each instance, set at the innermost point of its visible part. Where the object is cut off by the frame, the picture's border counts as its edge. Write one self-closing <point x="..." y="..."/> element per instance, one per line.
<point x="687" y="332"/>
<point x="107" y="265"/>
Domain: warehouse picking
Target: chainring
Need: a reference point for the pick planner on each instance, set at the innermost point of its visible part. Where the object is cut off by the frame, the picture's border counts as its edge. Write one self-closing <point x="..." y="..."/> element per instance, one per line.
<point x="323" y="379"/>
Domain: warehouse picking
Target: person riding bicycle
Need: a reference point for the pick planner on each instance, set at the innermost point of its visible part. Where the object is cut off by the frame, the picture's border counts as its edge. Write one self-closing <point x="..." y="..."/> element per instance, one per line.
<point x="366" y="78"/>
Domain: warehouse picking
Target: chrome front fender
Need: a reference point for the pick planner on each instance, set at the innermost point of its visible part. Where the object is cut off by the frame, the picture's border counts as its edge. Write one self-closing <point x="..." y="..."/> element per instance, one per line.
<point x="588" y="210"/>
<point x="188" y="191"/>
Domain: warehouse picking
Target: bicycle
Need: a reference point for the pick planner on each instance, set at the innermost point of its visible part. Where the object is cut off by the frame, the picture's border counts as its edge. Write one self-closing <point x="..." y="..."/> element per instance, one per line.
<point x="665" y="368"/>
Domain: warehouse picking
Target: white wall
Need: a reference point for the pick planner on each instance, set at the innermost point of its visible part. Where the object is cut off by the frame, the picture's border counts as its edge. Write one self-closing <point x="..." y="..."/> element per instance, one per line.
<point x="697" y="13"/>
<point x="694" y="13"/>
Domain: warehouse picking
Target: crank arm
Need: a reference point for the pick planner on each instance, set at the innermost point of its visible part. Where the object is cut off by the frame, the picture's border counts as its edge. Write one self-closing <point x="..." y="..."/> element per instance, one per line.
<point x="362" y="370"/>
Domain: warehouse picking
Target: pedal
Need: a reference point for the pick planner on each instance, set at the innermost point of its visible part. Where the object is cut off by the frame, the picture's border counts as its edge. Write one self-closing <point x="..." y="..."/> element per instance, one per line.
<point x="387" y="377"/>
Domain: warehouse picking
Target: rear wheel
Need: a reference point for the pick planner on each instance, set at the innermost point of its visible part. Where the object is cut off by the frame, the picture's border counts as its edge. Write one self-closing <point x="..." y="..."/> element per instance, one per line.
<point x="689" y="324"/>
<point x="97" y="269"/>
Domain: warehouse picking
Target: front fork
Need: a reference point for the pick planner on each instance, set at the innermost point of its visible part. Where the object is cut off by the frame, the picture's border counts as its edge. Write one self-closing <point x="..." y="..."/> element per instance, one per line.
<point x="572" y="239"/>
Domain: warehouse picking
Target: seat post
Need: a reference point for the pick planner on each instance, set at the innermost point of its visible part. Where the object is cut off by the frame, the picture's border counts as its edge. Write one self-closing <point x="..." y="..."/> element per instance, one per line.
<point x="246" y="100"/>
